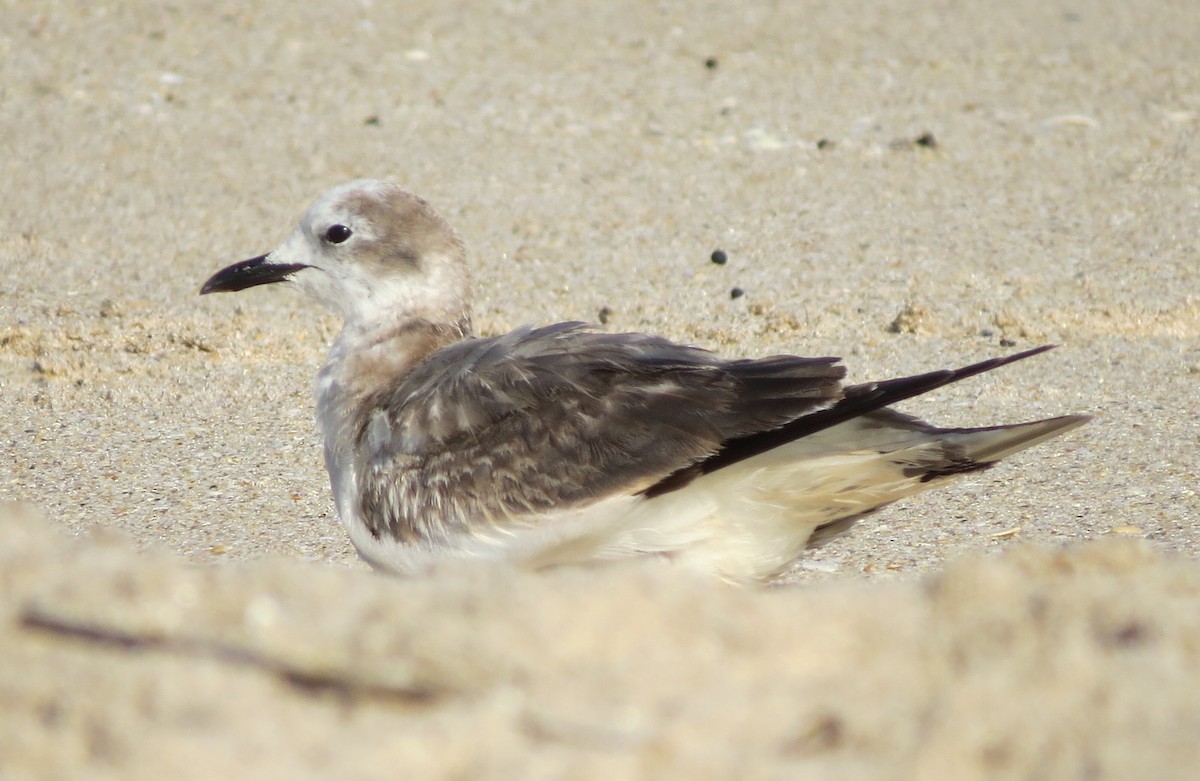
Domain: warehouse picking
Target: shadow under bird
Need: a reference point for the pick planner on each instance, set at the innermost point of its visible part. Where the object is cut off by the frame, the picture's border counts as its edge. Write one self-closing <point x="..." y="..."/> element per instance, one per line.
<point x="558" y="444"/>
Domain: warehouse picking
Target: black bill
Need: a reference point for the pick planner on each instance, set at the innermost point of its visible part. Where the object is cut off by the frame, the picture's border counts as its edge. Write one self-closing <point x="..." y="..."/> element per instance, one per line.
<point x="249" y="273"/>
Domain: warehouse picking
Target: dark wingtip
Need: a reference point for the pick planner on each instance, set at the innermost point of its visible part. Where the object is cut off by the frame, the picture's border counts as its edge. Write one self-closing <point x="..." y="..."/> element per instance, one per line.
<point x="871" y="396"/>
<point x="996" y="363"/>
<point x="859" y="400"/>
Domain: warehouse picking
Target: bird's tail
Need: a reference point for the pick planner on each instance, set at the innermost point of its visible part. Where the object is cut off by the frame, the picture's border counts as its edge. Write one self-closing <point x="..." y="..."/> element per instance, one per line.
<point x="913" y="456"/>
<point x="752" y="517"/>
<point x="989" y="445"/>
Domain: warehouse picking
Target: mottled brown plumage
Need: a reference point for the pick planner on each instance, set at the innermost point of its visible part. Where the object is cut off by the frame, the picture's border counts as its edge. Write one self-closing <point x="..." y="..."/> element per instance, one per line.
<point x="560" y="444"/>
<point x="555" y="417"/>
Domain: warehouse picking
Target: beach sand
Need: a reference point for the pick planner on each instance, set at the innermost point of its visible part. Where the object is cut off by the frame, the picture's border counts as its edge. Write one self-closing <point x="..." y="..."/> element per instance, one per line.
<point x="912" y="188"/>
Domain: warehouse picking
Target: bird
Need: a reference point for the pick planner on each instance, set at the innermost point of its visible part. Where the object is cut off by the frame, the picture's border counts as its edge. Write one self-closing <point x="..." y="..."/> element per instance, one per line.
<point x="562" y="444"/>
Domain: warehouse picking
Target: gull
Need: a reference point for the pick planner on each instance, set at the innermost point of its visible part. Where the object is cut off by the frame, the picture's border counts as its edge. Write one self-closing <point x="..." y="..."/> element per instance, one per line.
<point x="561" y="444"/>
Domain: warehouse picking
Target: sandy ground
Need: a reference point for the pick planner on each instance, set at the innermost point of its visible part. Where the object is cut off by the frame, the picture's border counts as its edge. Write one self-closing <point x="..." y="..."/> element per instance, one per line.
<point x="911" y="188"/>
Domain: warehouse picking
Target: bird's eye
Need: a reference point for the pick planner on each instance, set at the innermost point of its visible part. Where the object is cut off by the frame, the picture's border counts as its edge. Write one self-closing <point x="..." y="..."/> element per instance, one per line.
<point x="336" y="234"/>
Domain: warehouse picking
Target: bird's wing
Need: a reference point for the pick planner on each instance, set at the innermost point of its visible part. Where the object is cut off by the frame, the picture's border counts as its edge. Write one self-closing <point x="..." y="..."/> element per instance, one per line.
<point x="497" y="430"/>
<point x="856" y="401"/>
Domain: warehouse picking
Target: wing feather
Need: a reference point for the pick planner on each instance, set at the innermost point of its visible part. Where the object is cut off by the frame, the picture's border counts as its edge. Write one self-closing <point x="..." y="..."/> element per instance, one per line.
<point x="488" y="433"/>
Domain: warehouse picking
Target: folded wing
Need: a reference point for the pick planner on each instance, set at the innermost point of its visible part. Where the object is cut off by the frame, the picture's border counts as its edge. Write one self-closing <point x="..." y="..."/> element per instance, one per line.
<point x="489" y="433"/>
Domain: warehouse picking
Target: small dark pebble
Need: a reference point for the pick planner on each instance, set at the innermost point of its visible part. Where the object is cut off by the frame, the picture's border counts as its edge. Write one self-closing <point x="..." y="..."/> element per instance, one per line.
<point x="711" y="63"/>
<point x="737" y="292"/>
<point x="1132" y="633"/>
<point x="824" y="143"/>
<point x="719" y="257"/>
<point x="926" y="140"/>
<point x="986" y="332"/>
<point x="372" y="120"/>
<point x="604" y="314"/>
<point x="1007" y="343"/>
<point x="822" y="735"/>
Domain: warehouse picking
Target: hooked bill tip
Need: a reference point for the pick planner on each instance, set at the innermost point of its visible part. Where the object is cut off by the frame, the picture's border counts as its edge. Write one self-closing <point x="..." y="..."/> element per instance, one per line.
<point x="249" y="273"/>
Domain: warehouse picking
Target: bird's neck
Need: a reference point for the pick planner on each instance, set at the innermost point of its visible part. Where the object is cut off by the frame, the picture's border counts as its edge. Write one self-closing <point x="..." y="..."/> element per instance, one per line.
<point x="365" y="362"/>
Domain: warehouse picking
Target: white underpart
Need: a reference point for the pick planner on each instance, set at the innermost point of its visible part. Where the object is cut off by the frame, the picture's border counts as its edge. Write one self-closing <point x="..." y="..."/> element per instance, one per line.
<point x="747" y="520"/>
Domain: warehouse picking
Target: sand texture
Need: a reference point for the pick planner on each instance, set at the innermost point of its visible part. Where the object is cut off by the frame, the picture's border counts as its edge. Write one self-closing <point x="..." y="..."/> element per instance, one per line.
<point x="911" y="187"/>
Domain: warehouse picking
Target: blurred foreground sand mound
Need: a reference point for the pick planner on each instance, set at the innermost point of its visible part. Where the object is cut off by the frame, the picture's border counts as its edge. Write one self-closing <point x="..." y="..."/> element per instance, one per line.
<point x="1034" y="664"/>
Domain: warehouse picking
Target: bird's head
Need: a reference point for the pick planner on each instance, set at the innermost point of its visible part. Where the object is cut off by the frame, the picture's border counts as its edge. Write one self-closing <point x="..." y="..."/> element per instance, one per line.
<point x="369" y="251"/>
